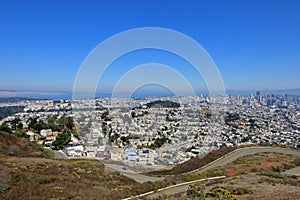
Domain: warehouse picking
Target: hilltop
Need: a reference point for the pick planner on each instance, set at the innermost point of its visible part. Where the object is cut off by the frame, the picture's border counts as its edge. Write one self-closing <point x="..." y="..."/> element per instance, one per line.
<point x="26" y="172"/>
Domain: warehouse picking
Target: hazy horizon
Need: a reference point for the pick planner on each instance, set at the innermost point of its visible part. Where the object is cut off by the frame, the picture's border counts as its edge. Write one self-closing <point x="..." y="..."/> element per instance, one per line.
<point x="255" y="45"/>
<point x="65" y="95"/>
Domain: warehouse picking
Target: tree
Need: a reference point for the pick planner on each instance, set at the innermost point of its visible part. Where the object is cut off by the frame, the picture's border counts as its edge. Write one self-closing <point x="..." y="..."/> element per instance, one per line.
<point x="20" y="126"/>
<point x="62" y="140"/>
<point x="32" y="121"/>
<point x="5" y="128"/>
<point x="114" y="137"/>
<point x="40" y="125"/>
<point x="14" y="123"/>
<point x="66" y="122"/>
<point x="53" y="123"/>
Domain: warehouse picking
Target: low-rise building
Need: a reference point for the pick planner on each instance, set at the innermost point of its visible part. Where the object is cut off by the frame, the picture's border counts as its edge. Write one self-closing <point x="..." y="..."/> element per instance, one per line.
<point x="116" y="154"/>
<point x="146" y="156"/>
<point x="130" y="154"/>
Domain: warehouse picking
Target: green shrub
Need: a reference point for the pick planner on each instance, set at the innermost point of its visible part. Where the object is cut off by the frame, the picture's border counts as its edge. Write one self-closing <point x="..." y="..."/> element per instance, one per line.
<point x="46" y="179"/>
<point x="221" y="193"/>
<point x="277" y="169"/>
<point x="196" y="191"/>
<point x="189" y="177"/>
<point x="159" y="185"/>
<point x="242" y="191"/>
<point x="14" y="150"/>
<point x="5" y="181"/>
<point x="296" y="162"/>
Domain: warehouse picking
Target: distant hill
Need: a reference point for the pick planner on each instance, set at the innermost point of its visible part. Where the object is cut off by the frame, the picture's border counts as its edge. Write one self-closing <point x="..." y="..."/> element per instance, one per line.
<point x="163" y="104"/>
<point x="8" y="91"/>
<point x="15" y="99"/>
<point x="10" y="110"/>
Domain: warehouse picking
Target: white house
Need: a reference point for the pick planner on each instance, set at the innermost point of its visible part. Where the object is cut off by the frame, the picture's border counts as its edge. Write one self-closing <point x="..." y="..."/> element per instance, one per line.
<point x="146" y="156"/>
<point x="31" y="135"/>
<point x="49" y="140"/>
<point x="116" y="154"/>
<point x="91" y="152"/>
<point x="46" y="132"/>
<point x="130" y="154"/>
<point x="74" y="150"/>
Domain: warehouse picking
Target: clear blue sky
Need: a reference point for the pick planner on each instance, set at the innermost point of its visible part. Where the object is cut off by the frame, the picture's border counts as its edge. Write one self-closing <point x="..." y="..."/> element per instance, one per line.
<point x="255" y="44"/>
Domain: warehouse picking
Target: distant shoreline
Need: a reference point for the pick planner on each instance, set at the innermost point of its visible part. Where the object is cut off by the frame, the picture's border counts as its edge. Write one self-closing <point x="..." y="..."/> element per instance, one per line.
<point x="12" y="95"/>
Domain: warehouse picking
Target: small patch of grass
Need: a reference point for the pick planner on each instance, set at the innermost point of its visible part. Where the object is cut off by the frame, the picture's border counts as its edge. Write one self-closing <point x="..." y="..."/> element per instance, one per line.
<point x="46" y="179"/>
<point x="159" y="185"/>
<point x="242" y="191"/>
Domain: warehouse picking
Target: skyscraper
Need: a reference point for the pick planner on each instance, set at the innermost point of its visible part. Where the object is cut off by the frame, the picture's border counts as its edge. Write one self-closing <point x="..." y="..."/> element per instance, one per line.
<point x="258" y="96"/>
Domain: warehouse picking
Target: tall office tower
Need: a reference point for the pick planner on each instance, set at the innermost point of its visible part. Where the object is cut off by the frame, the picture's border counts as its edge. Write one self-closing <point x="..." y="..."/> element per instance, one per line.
<point x="258" y="96"/>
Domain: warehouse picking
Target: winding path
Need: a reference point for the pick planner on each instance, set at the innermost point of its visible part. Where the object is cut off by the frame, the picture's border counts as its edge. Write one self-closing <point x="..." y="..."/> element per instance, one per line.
<point x="246" y="151"/>
<point x="223" y="161"/>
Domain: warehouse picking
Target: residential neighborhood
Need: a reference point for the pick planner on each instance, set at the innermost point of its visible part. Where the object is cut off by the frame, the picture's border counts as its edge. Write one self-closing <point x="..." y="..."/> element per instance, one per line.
<point x="158" y="131"/>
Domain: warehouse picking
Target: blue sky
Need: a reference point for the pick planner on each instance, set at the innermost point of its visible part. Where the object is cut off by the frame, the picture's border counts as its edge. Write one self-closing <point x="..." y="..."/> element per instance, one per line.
<point x="255" y="44"/>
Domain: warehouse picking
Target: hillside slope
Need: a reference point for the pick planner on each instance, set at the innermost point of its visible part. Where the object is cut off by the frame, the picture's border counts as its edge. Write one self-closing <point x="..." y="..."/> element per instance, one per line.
<point x="11" y="145"/>
<point x="27" y="174"/>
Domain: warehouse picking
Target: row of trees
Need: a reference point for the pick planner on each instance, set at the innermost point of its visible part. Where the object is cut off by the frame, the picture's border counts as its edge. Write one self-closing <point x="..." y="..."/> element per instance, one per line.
<point x="64" y="125"/>
<point x="36" y="124"/>
<point x="53" y="122"/>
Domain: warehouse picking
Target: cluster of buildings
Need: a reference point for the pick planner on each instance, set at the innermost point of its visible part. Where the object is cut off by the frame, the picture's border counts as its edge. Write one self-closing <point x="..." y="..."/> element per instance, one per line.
<point x="130" y="130"/>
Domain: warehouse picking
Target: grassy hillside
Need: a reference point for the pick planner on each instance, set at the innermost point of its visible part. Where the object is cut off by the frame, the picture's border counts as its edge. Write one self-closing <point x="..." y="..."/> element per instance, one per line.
<point x="198" y="162"/>
<point x="11" y="145"/>
<point x="256" y="176"/>
<point x="26" y="173"/>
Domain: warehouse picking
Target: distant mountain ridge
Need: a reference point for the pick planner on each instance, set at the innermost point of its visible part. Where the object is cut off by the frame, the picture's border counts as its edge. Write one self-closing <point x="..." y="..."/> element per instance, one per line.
<point x="16" y="99"/>
<point x="8" y="91"/>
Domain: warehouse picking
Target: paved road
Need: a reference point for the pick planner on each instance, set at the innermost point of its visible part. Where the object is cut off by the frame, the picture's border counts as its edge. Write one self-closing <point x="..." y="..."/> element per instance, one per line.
<point x="173" y="189"/>
<point x="131" y="174"/>
<point x="138" y="177"/>
<point x="294" y="171"/>
<point x="225" y="160"/>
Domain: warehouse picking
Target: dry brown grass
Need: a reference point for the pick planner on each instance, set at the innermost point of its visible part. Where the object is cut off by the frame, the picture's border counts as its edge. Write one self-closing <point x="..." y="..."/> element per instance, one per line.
<point x="22" y="146"/>
<point x="30" y="175"/>
<point x="40" y="178"/>
<point x="261" y="162"/>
